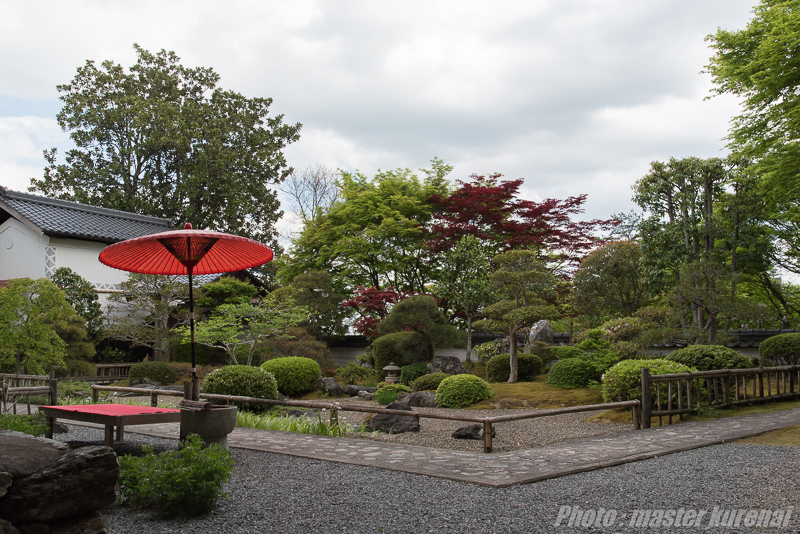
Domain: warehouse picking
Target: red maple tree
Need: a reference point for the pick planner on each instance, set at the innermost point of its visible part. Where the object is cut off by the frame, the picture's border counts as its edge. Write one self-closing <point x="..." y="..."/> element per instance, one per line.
<point x="372" y="304"/>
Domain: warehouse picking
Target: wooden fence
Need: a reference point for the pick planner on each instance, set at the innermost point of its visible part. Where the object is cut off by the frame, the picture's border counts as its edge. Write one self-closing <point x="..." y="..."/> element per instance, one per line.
<point x="681" y="393"/>
<point x="15" y="387"/>
<point x="335" y="407"/>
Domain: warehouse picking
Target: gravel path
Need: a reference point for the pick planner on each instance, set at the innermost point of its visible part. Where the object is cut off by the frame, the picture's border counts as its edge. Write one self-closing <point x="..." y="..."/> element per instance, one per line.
<point x="274" y="493"/>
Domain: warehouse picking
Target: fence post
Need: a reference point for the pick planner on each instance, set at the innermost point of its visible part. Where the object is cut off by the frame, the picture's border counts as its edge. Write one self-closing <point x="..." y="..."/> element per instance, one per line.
<point x="646" y="405"/>
<point x="726" y="387"/>
<point x="487" y="436"/>
<point x="95" y="394"/>
<point x="53" y="389"/>
<point x="153" y="399"/>
<point x="761" y="382"/>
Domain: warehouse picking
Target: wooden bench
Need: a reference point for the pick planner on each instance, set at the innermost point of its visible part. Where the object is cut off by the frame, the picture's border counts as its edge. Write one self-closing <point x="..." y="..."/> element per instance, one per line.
<point x="110" y="415"/>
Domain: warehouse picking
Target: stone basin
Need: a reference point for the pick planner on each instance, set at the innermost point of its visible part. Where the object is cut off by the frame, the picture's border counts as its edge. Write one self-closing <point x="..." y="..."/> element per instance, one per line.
<point x="212" y="425"/>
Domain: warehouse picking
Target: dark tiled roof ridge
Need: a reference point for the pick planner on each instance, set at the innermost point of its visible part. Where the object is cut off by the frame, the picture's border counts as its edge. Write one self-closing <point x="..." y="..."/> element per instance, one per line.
<point x="78" y="206"/>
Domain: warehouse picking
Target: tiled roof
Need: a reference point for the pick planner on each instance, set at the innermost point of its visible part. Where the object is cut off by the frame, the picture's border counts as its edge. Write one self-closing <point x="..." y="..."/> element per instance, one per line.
<point x="62" y="218"/>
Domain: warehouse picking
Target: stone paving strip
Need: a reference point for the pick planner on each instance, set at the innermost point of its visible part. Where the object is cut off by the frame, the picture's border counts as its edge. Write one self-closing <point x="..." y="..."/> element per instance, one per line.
<point x="502" y="469"/>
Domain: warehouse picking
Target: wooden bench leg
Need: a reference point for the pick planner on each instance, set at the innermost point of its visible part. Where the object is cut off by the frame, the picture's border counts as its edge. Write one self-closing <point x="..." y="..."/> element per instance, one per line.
<point x="51" y="424"/>
<point x="109" y="435"/>
<point x="120" y="432"/>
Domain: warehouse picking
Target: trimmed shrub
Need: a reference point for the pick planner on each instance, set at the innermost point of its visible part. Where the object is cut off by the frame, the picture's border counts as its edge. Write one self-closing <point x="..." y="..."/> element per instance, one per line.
<point x="499" y="368"/>
<point x="428" y="382"/>
<point x="294" y="374"/>
<point x="783" y="349"/>
<point x="352" y="372"/>
<point x="384" y="387"/>
<point x="409" y="373"/>
<point x="627" y="350"/>
<point x="157" y="371"/>
<point x="625" y="329"/>
<point x="485" y="351"/>
<point x="563" y="352"/>
<point x="709" y="358"/>
<point x="244" y="381"/>
<point x="624" y="381"/>
<point x="572" y="373"/>
<point x="402" y="348"/>
<point x="457" y="391"/>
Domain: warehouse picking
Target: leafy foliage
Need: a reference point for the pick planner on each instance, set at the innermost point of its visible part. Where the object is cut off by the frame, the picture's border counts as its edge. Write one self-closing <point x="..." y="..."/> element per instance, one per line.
<point x="226" y="290"/>
<point x="428" y="382"/>
<point x="385" y="397"/>
<point x="83" y="298"/>
<point x="402" y="348"/>
<point x="296" y="341"/>
<point x="709" y="358"/>
<point x="35" y="424"/>
<point x="458" y="391"/>
<point x="783" y="349"/>
<point x="352" y="372"/>
<point x="372" y="305"/>
<point x="242" y="381"/>
<point x="624" y="381"/>
<point x="315" y="291"/>
<point x="409" y="373"/>
<point x="160" y="372"/>
<point x="499" y="367"/>
<point x="384" y="387"/>
<point x="420" y="314"/>
<point x="625" y="329"/>
<point x="294" y="374"/>
<point x="572" y="373"/>
<point x="300" y="425"/>
<point x="164" y="140"/>
<point x="564" y="352"/>
<point x="485" y="351"/>
<point x="186" y="482"/>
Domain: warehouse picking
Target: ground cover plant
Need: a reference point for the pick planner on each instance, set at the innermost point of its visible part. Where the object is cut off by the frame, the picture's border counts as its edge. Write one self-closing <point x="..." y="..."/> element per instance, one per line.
<point x="458" y="391"/>
<point x="294" y="374"/>
<point x="244" y="381"/>
<point x="186" y="482"/>
<point x="301" y="425"/>
<point x="34" y="424"/>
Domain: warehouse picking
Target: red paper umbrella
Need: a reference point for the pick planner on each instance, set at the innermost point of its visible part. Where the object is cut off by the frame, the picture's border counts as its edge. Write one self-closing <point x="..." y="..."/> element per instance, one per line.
<point x="186" y="252"/>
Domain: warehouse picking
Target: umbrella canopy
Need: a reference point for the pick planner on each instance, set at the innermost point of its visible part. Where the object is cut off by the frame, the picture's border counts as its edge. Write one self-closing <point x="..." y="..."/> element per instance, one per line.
<point x="186" y="251"/>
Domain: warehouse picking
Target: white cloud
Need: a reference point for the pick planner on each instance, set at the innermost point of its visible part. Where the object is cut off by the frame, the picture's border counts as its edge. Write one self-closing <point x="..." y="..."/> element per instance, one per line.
<point x="22" y="140"/>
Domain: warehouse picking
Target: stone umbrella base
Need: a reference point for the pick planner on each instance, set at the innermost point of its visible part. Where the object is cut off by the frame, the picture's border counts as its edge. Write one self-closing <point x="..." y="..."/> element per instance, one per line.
<point x="212" y="425"/>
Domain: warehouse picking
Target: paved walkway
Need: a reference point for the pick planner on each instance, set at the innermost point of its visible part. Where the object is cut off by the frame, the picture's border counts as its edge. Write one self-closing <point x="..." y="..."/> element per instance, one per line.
<point x="506" y="468"/>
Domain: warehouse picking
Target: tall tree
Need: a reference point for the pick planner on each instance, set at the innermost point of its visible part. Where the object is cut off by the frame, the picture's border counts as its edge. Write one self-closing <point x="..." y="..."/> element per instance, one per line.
<point x="315" y="290"/>
<point x="525" y="282"/>
<point x="312" y="191"/>
<point x="84" y="299"/>
<point x="162" y="139"/>
<point x="421" y="314"/>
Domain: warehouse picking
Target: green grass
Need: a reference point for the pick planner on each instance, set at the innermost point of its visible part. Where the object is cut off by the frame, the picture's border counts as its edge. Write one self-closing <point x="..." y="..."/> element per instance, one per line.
<point x="537" y="395"/>
<point x="300" y="425"/>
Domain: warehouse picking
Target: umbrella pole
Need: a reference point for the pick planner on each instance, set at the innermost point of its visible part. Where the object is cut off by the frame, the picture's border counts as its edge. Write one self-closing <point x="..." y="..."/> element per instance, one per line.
<point x="195" y="385"/>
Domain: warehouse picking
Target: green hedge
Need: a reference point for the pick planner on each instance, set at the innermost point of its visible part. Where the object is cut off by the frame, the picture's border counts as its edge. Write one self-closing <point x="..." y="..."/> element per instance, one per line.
<point x="709" y="358"/>
<point x="157" y="371"/>
<point x="572" y="373"/>
<point x="563" y="352"/>
<point x="458" y="391"/>
<point x="623" y="382"/>
<point x="499" y="368"/>
<point x="409" y="373"/>
<point x="428" y="382"/>
<point x="402" y="348"/>
<point x="244" y="381"/>
<point x="783" y="349"/>
<point x="294" y="374"/>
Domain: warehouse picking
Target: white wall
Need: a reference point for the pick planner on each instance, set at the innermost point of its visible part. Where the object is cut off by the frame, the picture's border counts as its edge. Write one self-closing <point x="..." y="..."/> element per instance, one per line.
<point x="21" y="251"/>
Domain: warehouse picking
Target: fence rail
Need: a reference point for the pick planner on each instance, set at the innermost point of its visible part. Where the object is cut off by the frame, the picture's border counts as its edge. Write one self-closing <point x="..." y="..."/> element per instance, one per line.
<point x="10" y="394"/>
<point x="682" y="393"/>
<point x="335" y="407"/>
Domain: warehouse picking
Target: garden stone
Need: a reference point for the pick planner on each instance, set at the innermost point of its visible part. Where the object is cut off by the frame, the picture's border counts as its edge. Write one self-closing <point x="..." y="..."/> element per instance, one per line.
<point x="24" y="454"/>
<point x="330" y="386"/>
<point x="7" y="528"/>
<point x="541" y="331"/>
<point x="394" y="424"/>
<point x="447" y="364"/>
<point x="366" y="395"/>
<point x="5" y="482"/>
<point x="91" y="524"/>
<point x="353" y="390"/>
<point x="420" y="399"/>
<point x="472" y="432"/>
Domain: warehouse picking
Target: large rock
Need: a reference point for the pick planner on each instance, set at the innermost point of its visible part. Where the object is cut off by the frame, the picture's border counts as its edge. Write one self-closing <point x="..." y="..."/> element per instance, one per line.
<point x="366" y="395"/>
<point x="354" y="390"/>
<point x="5" y="482"/>
<point x="330" y="386"/>
<point x="7" y="528"/>
<point x="541" y="331"/>
<point x="420" y="399"/>
<point x="78" y="483"/>
<point x="472" y="432"/>
<point x="447" y="364"/>
<point x="23" y="454"/>
<point x="394" y="424"/>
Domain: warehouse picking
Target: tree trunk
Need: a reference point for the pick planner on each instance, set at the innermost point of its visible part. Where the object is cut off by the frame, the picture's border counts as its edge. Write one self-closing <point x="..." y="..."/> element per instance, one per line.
<point x="512" y="348"/>
<point x="469" y="337"/>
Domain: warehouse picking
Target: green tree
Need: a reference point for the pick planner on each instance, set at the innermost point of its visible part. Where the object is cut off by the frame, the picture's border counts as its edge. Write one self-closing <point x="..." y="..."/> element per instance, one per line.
<point x="29" y="310"/>
<point x="141" y="313"/>
<point x="245" y="324"/>
<point x="162" y="139"/>
<point x="374" y="234"/>
<point x="226" y="290"/>
<point x="463" y="281"/>
<point x="421" y="314"/>
<point x="526" y="282"/>
<point x="611" y="281"/>
<point x="315" y="290"/>
<point x="84" y="299"/>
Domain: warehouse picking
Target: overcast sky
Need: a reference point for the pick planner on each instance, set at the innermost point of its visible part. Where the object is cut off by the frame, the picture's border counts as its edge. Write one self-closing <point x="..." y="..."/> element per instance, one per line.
<point x="573" y="96"/>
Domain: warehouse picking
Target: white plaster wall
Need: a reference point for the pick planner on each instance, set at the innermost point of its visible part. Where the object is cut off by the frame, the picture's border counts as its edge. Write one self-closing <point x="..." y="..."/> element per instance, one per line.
<point x="21" y="251"/>
<point x="81" y="257"/>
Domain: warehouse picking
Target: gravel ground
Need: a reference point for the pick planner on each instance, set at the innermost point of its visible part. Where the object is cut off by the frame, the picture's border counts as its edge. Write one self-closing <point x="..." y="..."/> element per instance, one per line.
<point x="274" y="493"/>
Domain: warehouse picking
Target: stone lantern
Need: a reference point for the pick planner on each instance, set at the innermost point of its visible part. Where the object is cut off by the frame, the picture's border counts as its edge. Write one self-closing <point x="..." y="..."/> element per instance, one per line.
<point x="392" y="373"/>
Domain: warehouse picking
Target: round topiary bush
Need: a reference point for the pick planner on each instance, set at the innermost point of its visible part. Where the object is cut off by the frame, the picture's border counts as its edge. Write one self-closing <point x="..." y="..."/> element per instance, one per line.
<point x="428" y="382"/>
<point x="409" y="373"/>
<point x="156" y="371"/>
<point x="783" y="349"/>
<point x="402" y="348"/>
<point x="457" y="391"/>
<point x="709" y="358"/>
<point x="624" y="381"/>
<point x="563" y="352"/>
<point x="244" y="381"/>
<point x="294" y="374"/>
<point x="499" y="368"/>
<point x="572" y="373"/>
